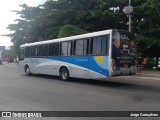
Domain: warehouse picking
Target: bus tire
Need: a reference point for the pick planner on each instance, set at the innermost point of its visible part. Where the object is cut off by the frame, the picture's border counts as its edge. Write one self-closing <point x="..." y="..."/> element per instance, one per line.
<point x="27" y="71"/>
<point x="64" y="74"/>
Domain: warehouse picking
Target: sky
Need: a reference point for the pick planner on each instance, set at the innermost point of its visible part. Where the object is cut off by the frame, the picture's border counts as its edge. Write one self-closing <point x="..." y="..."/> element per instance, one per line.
<point x="7" y="16"/>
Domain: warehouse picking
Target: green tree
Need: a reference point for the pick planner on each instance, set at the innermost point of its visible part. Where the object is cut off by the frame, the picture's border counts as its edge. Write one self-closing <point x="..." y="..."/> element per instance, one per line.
<point x="149" y="29"/>
<point x="70" y="30"/>
<point x="45" y="21"/>
<point x="26" y="29"/>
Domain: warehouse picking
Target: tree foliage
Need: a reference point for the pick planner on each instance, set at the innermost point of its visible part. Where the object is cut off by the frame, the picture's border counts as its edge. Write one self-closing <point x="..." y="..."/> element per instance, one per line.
<point x="45" y="21"/>
<point x="149" y="28"/>
<point x="70" y="30"/>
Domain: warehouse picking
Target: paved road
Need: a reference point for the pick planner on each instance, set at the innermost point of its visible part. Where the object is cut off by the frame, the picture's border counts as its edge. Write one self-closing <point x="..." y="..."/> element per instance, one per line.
<point x="48" y="93"/>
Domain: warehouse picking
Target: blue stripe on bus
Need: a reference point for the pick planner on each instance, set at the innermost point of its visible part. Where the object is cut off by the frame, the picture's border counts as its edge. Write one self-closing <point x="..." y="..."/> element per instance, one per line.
<point x="98" y="64"/>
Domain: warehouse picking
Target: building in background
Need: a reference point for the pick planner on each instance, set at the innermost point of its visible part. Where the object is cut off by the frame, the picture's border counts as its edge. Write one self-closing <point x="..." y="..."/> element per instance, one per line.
<point x="1" y="54"/>
<point x="2" y="51"/>
<point x="2" y="48"/>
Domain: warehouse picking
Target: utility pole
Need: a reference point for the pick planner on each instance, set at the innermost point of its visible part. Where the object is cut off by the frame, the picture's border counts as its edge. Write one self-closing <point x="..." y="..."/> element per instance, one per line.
<point x="130" y="21"/>
<point x="128" y="11"/>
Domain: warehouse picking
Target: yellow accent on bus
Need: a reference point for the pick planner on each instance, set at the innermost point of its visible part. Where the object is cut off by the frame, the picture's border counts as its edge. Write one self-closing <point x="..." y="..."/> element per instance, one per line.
<point x="100" y="59"/>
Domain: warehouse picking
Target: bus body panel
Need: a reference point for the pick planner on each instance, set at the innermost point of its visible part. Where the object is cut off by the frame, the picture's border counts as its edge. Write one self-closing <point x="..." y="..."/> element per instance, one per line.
<point x="79" y="67"/>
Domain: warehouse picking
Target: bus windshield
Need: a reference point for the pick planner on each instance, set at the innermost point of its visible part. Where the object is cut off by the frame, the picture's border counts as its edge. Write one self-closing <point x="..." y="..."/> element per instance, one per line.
<point x="123" y="48"/>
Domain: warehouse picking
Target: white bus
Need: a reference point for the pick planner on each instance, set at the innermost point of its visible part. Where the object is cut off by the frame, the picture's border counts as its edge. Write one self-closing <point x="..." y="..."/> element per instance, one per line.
<point x="94" y="55"/>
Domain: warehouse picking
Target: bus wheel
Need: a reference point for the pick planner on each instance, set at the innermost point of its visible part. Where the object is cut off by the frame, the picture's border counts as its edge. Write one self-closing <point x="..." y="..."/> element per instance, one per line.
<point x="27" y="71"/>
<point x="64" y="74"/>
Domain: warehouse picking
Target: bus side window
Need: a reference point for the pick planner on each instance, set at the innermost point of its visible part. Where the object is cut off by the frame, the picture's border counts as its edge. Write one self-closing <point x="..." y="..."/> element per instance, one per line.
<point x="99" y="45"/>
<point x="104" y="45"/>
<point x="78" y="47"/>
<point x="96" y="45"/>
<point x="64" y="48"/>
<point x="43" y="50"/>
<point x="81" y="47"/>
<point x="56" y="49"/>
<point x="34" y="51"/>
<point x="86" y="47"/>
<point x="21" y="54"/>
<point x="53" y="49"/>
<point x="27" y="52"/>
<point x="70" y="44"/>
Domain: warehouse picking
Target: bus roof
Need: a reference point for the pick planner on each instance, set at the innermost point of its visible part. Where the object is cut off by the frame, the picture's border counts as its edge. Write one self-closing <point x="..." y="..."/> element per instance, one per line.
<point x="69" y="38"/>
